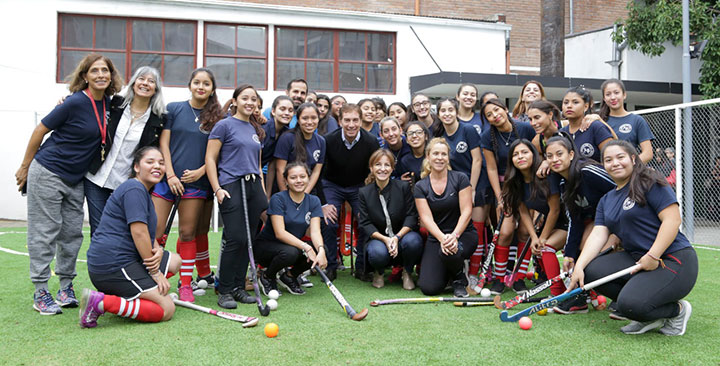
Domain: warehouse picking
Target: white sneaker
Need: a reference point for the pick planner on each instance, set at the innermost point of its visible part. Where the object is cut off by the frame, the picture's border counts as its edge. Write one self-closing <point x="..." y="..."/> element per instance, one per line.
<point x="636" y="327"/>
<point x="676" y="326"/>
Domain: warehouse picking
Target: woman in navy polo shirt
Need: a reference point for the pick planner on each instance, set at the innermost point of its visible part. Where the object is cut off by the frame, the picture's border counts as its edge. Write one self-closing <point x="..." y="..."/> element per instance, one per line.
<point x="629" y="127"/>
<point x="367" y="117"/>
<point x="233" y="159"/>
<point x="281" y="113"/>
<point x="124" y="264"/>
<point x="577" y="103"/>
<point x="644" y="213"/>
<point x="280" y="243"/>
<point x="54" y="175"/>
<point x="301" y="144"/>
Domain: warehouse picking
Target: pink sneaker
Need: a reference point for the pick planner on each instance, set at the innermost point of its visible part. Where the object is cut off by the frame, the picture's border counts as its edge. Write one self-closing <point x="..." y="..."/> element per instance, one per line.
<point x="186" y="293"/>
<point x="89" y="310"/>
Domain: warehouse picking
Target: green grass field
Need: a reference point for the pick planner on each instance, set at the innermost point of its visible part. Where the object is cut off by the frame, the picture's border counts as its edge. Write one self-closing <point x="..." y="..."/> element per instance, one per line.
<point x="314" y="329"/>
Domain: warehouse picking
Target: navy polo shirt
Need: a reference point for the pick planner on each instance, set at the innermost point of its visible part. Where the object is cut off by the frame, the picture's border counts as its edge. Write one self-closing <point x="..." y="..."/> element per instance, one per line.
<point x="188" y="142"/>
<point x="270" y="141"/>
<point x="588" y="142"/>
<point x="315" y="149"/>
<point x="240" y="150"/>
<point x="461" y="144"/>
<point x="504" y="140"/>
<point x="478" y="122"/>
<point x="296" y="216"/>
<point x="409" y="163"/>
<point x="631" y="128"/>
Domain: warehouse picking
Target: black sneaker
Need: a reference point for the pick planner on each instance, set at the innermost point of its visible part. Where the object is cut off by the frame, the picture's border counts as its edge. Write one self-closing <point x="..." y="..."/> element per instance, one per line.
<point x="267" y="284"/>
<point x="226" y="301"/>
<point x="519" y="287"/>
<point x="497" y="287"/>
<point x="304" y="282"/>
<point x="241" y="296"/>
<point x="209" y="280"/>
<point x="573" y="305"/>
<point x="459" y="289"/>
<point x="291" y="284"/>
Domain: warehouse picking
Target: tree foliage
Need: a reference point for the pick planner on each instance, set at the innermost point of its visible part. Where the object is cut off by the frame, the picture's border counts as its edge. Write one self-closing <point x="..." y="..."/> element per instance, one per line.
<point x="651" y="23"/>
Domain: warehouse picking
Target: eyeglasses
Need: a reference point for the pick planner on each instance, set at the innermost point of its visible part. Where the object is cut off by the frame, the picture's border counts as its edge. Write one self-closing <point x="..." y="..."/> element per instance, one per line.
<point x="415" y="133"/>
<point x="421" y="104"/>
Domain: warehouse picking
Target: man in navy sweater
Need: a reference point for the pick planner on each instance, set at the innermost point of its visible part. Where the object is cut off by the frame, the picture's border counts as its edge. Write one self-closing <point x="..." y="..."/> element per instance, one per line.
<point x="348" y="151"/>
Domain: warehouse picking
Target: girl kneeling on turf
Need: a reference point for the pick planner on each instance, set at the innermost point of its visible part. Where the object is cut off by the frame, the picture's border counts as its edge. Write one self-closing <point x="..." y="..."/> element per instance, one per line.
<point x="444" y="202"/>
<point x="644" y="213"/>
<point x="129" y="272"/>
<point x="292" y="213"/>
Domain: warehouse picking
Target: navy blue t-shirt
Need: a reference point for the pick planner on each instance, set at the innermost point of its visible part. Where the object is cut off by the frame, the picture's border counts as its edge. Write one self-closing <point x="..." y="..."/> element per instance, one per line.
<point x="270" y="141"/>
<point x="445" y="207"/>
<point x="478" y="122"/>
<point x="188" y="142"/>
<point x="315" y="149"/>
<point x="461" y="144"/>
<point x="332" y="125"/>
<point x="75" y="139"/>
<point x="375" y="130"/>
<point x="631" y="128"/>
<point x="588" y="141"/>
<point x="537" y="203"/>
<point x="296" y="216"/>
<point x="240" y="151"/>
<point x="112" y="246"/>
<point x="504" y="140"/>
<point x="409" y="163"/>
<point x="637" y="226"/>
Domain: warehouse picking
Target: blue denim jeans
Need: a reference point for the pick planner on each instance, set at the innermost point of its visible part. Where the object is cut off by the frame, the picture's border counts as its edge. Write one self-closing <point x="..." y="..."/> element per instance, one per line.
<point x="409" y="251"/>
<point x="96" y="198"/>
<point x="336" y="195"/>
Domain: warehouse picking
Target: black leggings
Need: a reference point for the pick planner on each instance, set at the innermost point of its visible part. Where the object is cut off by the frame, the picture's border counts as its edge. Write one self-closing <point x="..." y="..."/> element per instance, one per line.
<point x="646" y="296"/>
<point x="234" y="256"/>
<point x="436" y="268"/>
<point x="275" y="256"/>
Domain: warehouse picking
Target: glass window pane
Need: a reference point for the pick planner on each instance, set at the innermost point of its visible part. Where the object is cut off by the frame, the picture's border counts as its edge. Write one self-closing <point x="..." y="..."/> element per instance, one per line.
<point x="352" y="46"/>
<point x="251" y="71"/>
<point x="319" y="45"/>
<point x="251" y="41"/>
<point x="380" y="47"/>
<point x="110" y="33"/>
<point x="178" y="69"/>
<point x="380" y="78"/>
<point x="352" y="77"/>
<point x="70" y="59"/>
<point x="118" y="60"/>
<point x="77" y="32"/>
<point x="288" y="70"/>
<point x="224" y="70"/>
<point x="147" y="35"/>
<point x="179" y="37"/>
<point x="290" y="43"/>
<point x="320" y="75"/>
<point x="220" y="39"/>
<point x="146" y="59"/>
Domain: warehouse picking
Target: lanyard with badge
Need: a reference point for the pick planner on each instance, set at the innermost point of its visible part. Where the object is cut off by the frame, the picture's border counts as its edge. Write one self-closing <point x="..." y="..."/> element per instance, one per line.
<point x="101" y="125"/>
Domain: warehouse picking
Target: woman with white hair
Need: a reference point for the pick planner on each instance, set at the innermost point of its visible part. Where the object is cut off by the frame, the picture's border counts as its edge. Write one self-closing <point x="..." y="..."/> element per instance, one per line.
<point x="136" y="120"/>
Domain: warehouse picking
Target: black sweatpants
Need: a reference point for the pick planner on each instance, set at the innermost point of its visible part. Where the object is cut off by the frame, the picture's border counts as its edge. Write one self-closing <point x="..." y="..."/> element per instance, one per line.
<point x="437" y="268"/>
<point x="234" y="255"/>
<point x="646" y="296"/>
<point x="274" y="256"/>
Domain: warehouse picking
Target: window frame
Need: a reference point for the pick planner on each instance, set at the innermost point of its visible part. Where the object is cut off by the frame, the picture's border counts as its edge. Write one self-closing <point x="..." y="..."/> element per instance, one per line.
<point x="206" y="54"/>
<point x="336" y="61"/>
<point x="126" y="70"/>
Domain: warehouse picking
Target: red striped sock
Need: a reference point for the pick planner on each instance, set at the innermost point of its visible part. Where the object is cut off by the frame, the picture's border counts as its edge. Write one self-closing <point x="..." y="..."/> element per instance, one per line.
<point x="476" y="258"/>
<point x="501" y="259"/>
<point x="187" y="251"/>
<point x="202" y="259"/>
<point x="552" y="270"/>
<point x="526" y="259"/>
<point x="139" y="309"/>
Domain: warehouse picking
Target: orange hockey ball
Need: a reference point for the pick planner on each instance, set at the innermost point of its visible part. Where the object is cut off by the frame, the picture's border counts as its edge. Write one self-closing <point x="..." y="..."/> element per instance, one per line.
<point x="271" y="330"/>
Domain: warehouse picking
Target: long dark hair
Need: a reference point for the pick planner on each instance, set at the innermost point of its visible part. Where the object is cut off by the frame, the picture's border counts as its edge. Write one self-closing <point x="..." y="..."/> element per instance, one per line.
<point x="258" y="129"/>
<point x="512" y="190"/>
<point x="642" y="178"/>
<point x="439" y="130"/>
<point x="493" y="130"/>
<point x="604" y="108"/>
<point x="547" y="108"/>
<point x="578" y="162"/>
<point x="299" y="143"/>
<point x="212" y="112"/>
<point x="323" y="122"/>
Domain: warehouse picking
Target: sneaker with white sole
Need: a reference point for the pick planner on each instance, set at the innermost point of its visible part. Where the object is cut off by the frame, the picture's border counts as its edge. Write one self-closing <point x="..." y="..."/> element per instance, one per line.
<point x="89" y="309"/>
<point x="186" y="293"/>
<point x="304" y="282"/>
<point x="291" y="284"/>
<point x="44" y="303"/>
<point x="573" y="305"/>
<point x="677" y="326"/>
<point x="66" y="297"/>
<point x="636" y="327"/>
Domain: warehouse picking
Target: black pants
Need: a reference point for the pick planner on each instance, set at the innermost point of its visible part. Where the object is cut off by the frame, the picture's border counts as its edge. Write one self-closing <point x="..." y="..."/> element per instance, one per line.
<point x="275" y="256"/>
<point x="436" y="268"/>
<point x="234" y="256"/>
<point x="646" y="296"/>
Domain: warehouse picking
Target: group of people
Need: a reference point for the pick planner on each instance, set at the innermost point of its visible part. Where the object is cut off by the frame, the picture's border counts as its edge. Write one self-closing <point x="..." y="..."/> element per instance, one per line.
<point x="423" y="184"/>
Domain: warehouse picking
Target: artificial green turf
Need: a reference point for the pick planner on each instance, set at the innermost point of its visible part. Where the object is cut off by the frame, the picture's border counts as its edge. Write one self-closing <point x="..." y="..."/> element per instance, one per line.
<point x="314" y="329"/>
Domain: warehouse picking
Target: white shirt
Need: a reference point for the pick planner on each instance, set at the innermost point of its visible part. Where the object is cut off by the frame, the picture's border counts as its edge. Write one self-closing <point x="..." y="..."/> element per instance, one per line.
<point x="116" y="167"/>
<point x="350" y="144"/>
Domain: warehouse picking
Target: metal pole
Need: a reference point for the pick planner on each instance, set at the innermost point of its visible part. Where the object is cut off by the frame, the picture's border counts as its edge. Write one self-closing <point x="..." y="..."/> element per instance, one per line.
<point x="572" y="21"/>
<point x="689" y="214"/>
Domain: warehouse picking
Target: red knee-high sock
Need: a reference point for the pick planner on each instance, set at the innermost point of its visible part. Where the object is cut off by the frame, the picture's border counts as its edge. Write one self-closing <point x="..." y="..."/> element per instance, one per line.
<point x="139" y="309"/>
<point x="552" y="270"/>
<point x="476" y="258"/>
<point x="525" y="260"/>
<point x="202" y="259"/>
<point x="501" y="259"/>
<point x="187" y="251"/>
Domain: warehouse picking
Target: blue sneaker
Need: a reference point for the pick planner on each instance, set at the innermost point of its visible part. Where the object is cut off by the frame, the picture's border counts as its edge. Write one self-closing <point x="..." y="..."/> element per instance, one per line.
<point x="66" y="297"/>
<point x="43" y="302"/>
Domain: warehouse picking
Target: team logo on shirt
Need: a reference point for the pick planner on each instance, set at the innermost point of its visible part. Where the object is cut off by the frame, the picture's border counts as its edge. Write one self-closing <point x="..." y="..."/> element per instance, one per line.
<point x="628" y="204"/>
<point x="587" y="149"/>
<point x="307" y="218"/>
<point x="255" y="138"/>
<point x="625" y="128"/>
<point x="203" y="131"/>
<point x="461" y="147"/>
<point x="316" y="155"/>
<point x="478" y="129"/>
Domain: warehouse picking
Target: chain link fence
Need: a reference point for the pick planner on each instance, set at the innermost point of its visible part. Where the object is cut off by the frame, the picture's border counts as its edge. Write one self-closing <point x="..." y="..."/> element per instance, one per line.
<point x="690" y="162"/>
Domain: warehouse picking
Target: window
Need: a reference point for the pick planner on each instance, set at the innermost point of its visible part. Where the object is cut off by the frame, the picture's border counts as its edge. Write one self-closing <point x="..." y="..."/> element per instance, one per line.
<point x="336" y="61"/>
<point x="169" y="46"/>
<point x="237" y="54"/>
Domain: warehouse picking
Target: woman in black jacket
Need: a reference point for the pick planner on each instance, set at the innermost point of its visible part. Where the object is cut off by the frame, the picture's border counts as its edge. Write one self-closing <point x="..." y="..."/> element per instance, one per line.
<point x="136" y="120"/>
<point x="388" y="219"/>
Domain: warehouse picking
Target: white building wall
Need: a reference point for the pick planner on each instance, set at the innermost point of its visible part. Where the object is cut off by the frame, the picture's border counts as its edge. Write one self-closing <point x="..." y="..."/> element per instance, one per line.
<point x="29" y="59"/>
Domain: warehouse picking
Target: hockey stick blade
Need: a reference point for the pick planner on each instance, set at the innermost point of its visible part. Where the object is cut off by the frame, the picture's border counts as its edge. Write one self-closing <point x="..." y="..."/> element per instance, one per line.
<point x="351" y="313"/>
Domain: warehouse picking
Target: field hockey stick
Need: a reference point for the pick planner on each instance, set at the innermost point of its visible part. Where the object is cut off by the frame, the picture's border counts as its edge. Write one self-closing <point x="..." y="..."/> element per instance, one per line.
<point x="424" y="300"/>
<point x="340" y="299"/>
<point x="509" y="280"/>
<point x="525" y="297"/>
<point x="558" y="299"/>
<point x="247" y="321"/>
<point x="163" y="239"/>
<point x="264" y="310"/>
<point x="489" y="256"/>
<point x="471" y="304"/>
